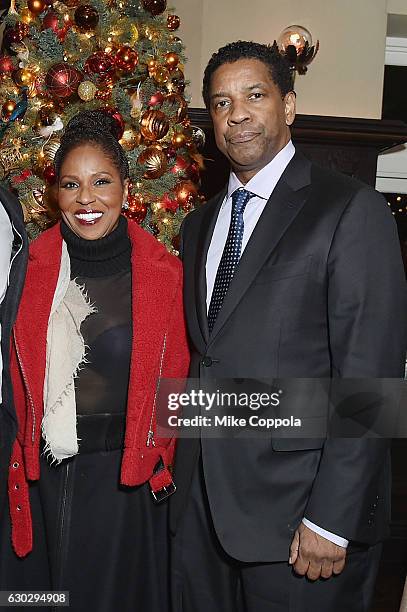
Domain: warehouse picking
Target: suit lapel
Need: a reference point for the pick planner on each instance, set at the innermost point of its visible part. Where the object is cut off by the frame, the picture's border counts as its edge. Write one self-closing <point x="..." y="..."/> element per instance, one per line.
<point x="286" y="201"/>
<point x="204" y="240"/>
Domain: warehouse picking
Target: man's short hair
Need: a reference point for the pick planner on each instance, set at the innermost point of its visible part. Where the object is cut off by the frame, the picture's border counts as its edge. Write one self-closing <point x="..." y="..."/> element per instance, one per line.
<point x="277" y="64"/>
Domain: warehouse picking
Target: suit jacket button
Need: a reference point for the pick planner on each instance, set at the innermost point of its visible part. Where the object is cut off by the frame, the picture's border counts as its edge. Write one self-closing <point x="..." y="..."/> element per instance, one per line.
<point x="207" y="361"/>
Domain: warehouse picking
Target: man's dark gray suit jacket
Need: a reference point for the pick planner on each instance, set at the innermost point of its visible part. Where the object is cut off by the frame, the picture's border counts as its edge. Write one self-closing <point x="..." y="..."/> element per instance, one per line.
<point x="319" y="292"/>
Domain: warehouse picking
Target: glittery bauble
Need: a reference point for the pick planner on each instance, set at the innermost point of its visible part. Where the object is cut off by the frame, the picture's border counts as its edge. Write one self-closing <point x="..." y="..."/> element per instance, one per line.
<point x="100" y="63"/>
<point x="173" y="22"/>
<point x="62" y="80"/>
<point x="86" y="17"/>
<point x="178" y="107"/>
<point x="87" y="91"/>
<point x="126" y="58"/>
<point x="171" y="60"/>
<point x="161" y="75"/>
<point x="155" y="7"/>
<point x="15" y="35"/>
<point x="130" y="139"/>
<point x="154" y="125"/>
<point x="36" y="6"/>
<point x="23" y="77"/>
<point x="49" y="174"/>
<point x="155" y="162"/>
<point x="7" y="109"/>
<point x="137" y="209"/>
<point x="6" y="64"/>
<point x="186" y="192"/>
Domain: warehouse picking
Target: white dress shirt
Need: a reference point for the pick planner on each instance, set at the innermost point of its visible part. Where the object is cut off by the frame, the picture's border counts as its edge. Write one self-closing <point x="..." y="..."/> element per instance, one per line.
<point x="6" y="246"/>
<point x="262" y="184"/>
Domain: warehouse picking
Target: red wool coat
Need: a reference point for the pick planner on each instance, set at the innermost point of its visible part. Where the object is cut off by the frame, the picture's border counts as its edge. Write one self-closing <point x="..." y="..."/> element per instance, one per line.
<point x="156" y="310"/>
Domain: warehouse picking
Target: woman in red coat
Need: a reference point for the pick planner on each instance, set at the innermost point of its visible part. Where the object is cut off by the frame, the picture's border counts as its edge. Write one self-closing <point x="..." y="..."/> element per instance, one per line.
<point x="99" y="323"/>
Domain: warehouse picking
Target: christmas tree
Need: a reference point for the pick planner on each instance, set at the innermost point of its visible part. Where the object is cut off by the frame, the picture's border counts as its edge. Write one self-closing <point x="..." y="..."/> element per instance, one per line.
<point x="59" y="58"/>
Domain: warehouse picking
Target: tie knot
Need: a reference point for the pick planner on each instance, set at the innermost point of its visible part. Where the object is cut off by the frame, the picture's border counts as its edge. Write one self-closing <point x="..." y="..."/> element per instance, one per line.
<point x="240" y="197"/>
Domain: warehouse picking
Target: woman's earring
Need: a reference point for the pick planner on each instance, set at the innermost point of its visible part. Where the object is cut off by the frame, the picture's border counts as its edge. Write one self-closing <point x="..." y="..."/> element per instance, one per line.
<point x="125" y="205"/>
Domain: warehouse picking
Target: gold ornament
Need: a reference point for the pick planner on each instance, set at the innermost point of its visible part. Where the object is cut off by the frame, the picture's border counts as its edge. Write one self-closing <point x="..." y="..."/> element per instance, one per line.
<point x="151" y="67"/>
<point x="171" y="60"/>
<point x="24" y="77"/>
<point x="154" y="125"/>
<point x="87" y="91"/>
<point x="49" y="149"/>
<point x="155" y="162"/>
<point x="178" y="139"/>
<point x="11" y="157"/>
<point x="130" y="139"/>
<point x="134" y="34"/>
<point x="161" y="75"/>
<point x="32" y="205"/>
<point x="7" y="109"/>
<point x="36" y="6"/>
<point x="177" y="110"/>
<point x="26" y="15"/>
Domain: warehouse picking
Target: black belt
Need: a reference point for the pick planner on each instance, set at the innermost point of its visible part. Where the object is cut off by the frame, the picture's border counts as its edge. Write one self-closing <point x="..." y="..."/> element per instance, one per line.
<point x="100" y="432"/>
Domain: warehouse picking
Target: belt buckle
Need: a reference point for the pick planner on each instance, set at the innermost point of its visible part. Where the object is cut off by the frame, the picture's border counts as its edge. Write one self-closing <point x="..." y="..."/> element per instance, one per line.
<point x="163" y="493"/>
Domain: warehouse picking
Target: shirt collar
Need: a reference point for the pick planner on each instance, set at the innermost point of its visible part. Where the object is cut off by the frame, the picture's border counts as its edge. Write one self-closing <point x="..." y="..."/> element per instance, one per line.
<point x="263" y="183"/>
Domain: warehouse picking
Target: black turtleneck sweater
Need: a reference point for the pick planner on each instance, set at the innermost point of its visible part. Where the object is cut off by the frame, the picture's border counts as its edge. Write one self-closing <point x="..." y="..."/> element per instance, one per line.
<point x="103" y="268"/>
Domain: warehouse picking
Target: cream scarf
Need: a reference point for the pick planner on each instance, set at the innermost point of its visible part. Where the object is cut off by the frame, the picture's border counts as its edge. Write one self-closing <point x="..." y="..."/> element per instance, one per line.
<point x="65" y="354"/>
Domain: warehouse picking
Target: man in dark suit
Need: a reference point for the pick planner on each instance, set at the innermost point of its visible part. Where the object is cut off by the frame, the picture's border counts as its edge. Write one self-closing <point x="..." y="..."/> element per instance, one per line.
<point x="291" y="271"/>
<point x="13" y="263"/>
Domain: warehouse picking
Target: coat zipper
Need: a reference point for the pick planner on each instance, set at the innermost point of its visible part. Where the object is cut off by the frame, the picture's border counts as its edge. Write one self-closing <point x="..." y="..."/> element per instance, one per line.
<point x="150" y="435"/>
<point x="26" y="385"/>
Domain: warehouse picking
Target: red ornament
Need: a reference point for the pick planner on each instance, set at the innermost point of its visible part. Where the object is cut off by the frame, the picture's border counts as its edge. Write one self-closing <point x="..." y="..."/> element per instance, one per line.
<point x="51" y="21"/>
<point x="156" y="99"/>
<point x="186" y="193"/>
<point x="15" y="35"/>
<point x="181" y="164"/>
<point x="119" y="120"/>
<point x="193" y="173"/>
<point x="173" y="22"/>
<point x="126" y="58"/>
<point x="169" y="202"/>
<point x="86" y="17"/>
<point x="100" y="63"/>
<point x="137" y="210"/>
<point x="155" y="7"/>
<point x="6" y="64"/>
<point x="62" y="80"/>
<point x="49" y="174"/>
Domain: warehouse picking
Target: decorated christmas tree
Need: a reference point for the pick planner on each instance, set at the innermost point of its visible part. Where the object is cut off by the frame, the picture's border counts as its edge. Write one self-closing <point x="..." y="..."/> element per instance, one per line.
<point x="59" y="58"/>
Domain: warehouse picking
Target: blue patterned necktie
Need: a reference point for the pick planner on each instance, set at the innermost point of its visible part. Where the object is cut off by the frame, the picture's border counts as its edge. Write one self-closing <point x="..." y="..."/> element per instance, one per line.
<point x="231" y="254"/>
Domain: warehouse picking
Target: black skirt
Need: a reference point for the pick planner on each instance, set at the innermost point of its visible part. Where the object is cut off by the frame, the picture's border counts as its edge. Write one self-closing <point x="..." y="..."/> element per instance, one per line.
<point x="105" y="543"/>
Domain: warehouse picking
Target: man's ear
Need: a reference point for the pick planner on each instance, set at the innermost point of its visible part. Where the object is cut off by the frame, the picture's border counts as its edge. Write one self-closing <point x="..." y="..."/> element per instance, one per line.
<point x="290" y="107"/>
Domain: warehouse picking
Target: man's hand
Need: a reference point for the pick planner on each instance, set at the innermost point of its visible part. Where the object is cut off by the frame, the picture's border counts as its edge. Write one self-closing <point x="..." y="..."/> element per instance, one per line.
<point x="313" y="556"/>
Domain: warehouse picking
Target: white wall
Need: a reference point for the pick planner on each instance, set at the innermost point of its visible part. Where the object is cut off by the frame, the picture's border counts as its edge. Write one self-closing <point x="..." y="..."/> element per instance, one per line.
<point x="346" y="78"/>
